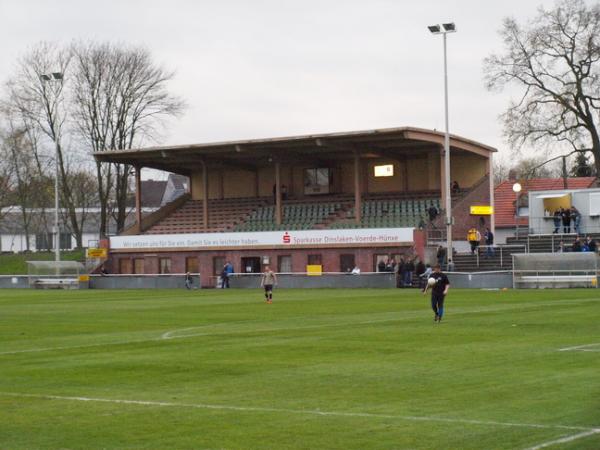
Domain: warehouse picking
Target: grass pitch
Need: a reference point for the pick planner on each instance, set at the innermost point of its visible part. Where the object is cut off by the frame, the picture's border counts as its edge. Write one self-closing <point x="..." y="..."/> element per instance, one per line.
<point x="336" y="369"/>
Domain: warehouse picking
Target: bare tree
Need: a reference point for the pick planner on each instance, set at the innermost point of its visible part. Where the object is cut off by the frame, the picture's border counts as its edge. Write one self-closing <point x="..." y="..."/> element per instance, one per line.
<point x="120" y="101"/>
<point x="39" y="100"/>
<point x="555" y="61"/>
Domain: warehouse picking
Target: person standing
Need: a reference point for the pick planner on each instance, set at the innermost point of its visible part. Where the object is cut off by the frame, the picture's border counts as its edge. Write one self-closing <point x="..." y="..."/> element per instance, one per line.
<point x="409" y="269"/>
<point x="268" y="280"/>
<point x="224" y="277"/>
<point x="432" y="211"/>
<point x="473" y="236"/>
<point x="566" y="220"/>
<point x="591" y="244"/>
<point x="557" y="218"/>
<point x="188" y="280"/>
<point x="441" y="256"/>
<point x="576" y="247"/>
<point x="489" y="242"/>
<point x="575" y="218"/>
<point x="438" y="292"/>
<point x="401" y="272"/>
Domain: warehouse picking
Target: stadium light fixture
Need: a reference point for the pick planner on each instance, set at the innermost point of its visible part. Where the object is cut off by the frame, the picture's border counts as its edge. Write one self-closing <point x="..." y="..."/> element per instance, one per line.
<point x="517" y="187"/>
<point x="449" y="27"/>
<point x="47" y="78"/>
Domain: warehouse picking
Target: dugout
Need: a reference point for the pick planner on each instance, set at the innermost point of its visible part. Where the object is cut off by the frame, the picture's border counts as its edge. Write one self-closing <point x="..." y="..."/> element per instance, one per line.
<point x="335" y="200"/>
<point x="556" y="270"/>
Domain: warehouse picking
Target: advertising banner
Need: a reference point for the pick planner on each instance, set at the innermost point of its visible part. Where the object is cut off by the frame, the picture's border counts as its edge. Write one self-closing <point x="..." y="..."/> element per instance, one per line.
<point x="300" y="238"/>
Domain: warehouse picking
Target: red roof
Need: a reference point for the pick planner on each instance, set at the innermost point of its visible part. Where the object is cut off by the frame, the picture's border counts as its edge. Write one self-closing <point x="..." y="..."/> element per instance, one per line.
<point x="504" y="197"/>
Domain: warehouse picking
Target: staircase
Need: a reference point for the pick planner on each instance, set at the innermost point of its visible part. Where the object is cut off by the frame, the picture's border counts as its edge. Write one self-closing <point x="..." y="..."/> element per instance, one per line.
<point x="479" y="262"/>
<point x="548" y="243"/>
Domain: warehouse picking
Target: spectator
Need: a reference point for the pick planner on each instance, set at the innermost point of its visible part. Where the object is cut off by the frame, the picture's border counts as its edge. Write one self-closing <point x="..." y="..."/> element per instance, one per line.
<point x="489" y="242"/>
<point x="473" y="236"/>
<point x="455" y="187"/>
<point x="560" y="248"/>
<point x="591" y="243"/>
<point x="356" y="270"/>
<point x="401" y="272"/>
<point x="575" y="218"/>
<point x="421" y="224"/>
<point x="441" y="256"/>
<point x="432" y="212"/>
<point x="410" y="268"/>
<point x="576" y="247"/>
<point x="566" y="220"/>
<point x="556" y="220"/>
<point x="188" y="280"/>
<point x="381" y="266"/>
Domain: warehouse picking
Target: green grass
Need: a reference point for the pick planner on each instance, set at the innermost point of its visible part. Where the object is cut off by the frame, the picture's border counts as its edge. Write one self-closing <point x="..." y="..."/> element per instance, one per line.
<point x="16" y="263"/>
<point x="339" y="369"/>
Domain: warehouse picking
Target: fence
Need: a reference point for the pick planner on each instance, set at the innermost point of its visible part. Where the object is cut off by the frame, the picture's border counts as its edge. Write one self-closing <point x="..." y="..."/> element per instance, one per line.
<point x="505" y="251"/>
<point x="546" y="225"/>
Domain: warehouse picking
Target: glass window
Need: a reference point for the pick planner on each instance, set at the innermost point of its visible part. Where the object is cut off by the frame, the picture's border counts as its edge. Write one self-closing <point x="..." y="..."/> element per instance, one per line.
<point x="164" y="265"/>
<point x="314" y="260"/>
<point x="66" y="242"/>
<point x="284" y="263"/>
<point x="125" y="265"/>
<point x="346" y="263"/>
<point x="191" y="264"/>
<point x="316" y="181"/>
<point x="138" y="265"/>
<point x="44" y="241"/>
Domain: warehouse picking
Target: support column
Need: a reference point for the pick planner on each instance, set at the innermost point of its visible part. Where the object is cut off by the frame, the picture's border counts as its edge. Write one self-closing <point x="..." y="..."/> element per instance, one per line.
<point x="278" y="215"/>
<point x="204" y="196"/>
<point x="138" y="198"/>
<point x="490" y="171"/>
<point x="357" y="197"/>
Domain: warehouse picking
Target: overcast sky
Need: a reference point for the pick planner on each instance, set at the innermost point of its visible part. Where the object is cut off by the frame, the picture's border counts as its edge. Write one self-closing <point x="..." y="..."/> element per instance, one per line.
<point x="266" y="68"/>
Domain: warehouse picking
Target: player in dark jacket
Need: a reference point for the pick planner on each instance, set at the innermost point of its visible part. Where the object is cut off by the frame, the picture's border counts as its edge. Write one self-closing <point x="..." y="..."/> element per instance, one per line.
<point x="438" y="292"/>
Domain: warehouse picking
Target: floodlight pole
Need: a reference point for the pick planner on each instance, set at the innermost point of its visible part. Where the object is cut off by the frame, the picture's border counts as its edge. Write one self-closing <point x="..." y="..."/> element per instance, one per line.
<point x="57" y="76"/>
<point x="444" y="30"/>
<point x="447" y="164"/>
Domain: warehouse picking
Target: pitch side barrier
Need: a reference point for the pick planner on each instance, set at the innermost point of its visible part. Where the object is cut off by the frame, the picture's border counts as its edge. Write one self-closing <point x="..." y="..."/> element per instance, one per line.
<point x="476" y="280"/>
<point x="556" y="270"/>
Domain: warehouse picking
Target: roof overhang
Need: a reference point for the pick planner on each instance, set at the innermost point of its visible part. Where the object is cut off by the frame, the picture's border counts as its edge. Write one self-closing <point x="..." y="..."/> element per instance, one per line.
<point x="405" y="142"/>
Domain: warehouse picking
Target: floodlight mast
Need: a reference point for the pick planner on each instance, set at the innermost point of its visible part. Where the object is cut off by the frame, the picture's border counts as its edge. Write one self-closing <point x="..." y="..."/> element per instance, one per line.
<point x="437" y="29"/>
<point x="45" y="78"/>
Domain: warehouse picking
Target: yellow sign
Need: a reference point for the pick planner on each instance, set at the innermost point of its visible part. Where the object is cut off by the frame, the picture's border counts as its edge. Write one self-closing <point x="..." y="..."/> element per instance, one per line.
<point x="97" y="253"/>
<point x="84" y="278"/>
<point x="482" y="210"/>
<point x="314" y="270"/>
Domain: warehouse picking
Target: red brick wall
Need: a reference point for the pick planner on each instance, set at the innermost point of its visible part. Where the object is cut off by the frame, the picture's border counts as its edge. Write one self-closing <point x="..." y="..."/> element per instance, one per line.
<point x="363" y="256"/>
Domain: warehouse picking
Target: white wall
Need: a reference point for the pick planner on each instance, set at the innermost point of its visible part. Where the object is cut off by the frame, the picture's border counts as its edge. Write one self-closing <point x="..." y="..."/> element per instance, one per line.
<point x="16" y="242"/>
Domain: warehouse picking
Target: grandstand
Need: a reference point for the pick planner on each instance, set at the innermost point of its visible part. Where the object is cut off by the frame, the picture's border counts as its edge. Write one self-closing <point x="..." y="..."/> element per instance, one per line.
<point x="352" y="194"/>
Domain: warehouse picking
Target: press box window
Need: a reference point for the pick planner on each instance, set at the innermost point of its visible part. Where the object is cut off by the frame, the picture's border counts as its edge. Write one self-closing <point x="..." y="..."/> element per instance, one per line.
<point x="384" y="171"/>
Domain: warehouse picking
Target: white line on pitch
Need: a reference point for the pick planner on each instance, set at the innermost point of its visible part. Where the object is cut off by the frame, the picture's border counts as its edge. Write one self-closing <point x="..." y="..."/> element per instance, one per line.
<point x="565" y="439"/>
<point x="406" y="316"/>
<point x="312" y="412"/>
<point x="582" y="348"/>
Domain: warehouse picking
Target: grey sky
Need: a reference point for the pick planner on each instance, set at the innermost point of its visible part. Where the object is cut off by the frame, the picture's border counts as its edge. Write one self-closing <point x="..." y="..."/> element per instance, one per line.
<point x="270" y="68"/>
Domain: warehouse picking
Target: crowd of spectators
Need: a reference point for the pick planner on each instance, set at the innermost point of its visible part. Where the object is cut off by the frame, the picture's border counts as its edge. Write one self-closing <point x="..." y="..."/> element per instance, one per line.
<point x="588" y="245"/>
<point x="567" y="217"/>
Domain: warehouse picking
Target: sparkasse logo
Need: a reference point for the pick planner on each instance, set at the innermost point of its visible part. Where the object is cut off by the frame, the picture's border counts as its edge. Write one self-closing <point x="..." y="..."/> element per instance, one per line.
<point x="287" y="239"/>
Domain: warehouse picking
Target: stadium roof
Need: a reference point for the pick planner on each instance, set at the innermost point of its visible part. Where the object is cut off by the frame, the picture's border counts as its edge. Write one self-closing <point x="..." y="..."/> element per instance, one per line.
<point x="504" y="197"/>
<point x="316" y="148"/>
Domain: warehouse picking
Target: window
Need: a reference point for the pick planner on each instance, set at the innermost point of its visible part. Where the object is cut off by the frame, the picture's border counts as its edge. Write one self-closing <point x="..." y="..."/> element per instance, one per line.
<point x="316" y="181"/>
<point x="191" y="264"/>
<point x="384" y="171"/>
<point x="346" y="263"/>
<point x="218" y="263"/>
<point x="284" y="264"/>
<point x="138" y="265"/>
<point x="164" y="265"/>
<point x="44" y="241"/>
<point x="66" y="243"/>
<point x="378" y="260"/>
<point x="314" y="260"/>
<point x="125" y="265"/>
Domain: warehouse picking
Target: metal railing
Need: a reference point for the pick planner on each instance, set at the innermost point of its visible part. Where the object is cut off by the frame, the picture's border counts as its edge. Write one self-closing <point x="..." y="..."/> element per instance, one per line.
<point x="503" y="250"/>
<point x="547" y="225"/>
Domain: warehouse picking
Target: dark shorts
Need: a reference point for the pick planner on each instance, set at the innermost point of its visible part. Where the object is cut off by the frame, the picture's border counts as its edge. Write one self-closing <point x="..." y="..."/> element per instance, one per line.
<point x="268" y="287"/>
